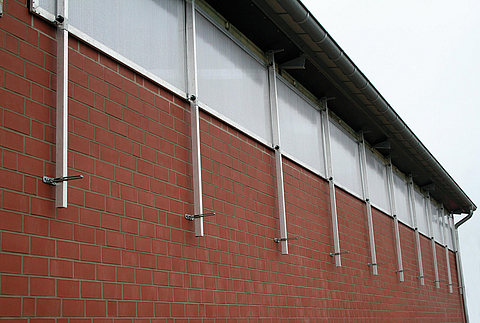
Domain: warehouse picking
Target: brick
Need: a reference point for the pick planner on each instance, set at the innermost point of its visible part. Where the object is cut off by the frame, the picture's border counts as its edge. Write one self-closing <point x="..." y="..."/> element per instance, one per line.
<point x="61" y="230"/>
<point x="41" y="286"/>
<point x="114" y="206"/>
<point x="42" y="247"/>
<point x="9" y="221"/>
<point x="37" y="148"/>
<point x="91" y="289"/>
<point x="127" y="309"/>
<point x="130" y="258"/>
<point x="10" y="306"/>
<point x="15" y="242"/>
<point x="111" y="256"/>
<point x="11" y="140"/>
<point x="10" y="263"/>
<point x="96" y="308"/>
<point x="84" y="163"/>
<point x="30" y="165"/>
<point x="131" y="291"/>
<point x="112" y="291"/>
<point x="73" y="308"/>
<point x="94" y="201"/>
<point x="28" y="306"/>
<point x="37" y="75"/>
<point x="68" y="288"/>
<point x="17" y="122"/>
<point x="83" y="95"/>
<point x="90" y="253"/>
<point x="67" y="249"/>
<point x="43" y="207"/>
<point x="14" y="285"/>
<point x="129" y="225"/>
<point x="105" y="272"/>
<point x="109" y="221"/>
<point x="84" y="270"/>
<point x="149" y="293"/>
<point x="61" y="268"/>
<point x="84" y="234"/>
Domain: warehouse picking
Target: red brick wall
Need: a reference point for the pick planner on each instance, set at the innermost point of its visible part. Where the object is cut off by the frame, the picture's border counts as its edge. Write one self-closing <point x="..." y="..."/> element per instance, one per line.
<point x="122" y="249"/>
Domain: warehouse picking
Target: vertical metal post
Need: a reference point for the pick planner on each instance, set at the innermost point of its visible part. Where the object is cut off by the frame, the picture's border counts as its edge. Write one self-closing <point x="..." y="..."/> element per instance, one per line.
<point x="331" y="183"/>
<point x="62" y="104"/>
<point x="461" y="283"/>
<point x="366" y="196"/>
<point x="194" y="111"/>
<point x="432" y="239"/>
<point x="393" y="208"/>
<point x="272" y="77"/>
<point x="1" y="8"/>
<point x="456" y="248"/>
<point x="411" y="199"/>
<point x="445" y="232"/>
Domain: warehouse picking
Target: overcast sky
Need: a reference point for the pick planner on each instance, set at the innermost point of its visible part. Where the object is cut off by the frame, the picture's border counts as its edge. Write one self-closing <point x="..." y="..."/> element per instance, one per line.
<point x="424" y="58"/>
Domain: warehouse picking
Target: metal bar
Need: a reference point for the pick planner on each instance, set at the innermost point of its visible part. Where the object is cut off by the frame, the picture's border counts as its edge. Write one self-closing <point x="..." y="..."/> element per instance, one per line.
<point x="393" y="208"/>
<point x="1" y="8"/>
<point x="445" y="223"/>
<point x="61" y="168"/>
<point x="272" y="77"/>
<point x="195" y="115"/>
<point x="331" y="184"/>
<point x="366" y="196"/>
<point x="432" y="239"/>
<point x="411" y="200"/>
<point x="192" y="217"/>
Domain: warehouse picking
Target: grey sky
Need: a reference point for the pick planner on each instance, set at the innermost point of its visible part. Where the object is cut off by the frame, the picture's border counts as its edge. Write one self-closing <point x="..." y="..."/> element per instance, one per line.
<point x="424" y="58"/>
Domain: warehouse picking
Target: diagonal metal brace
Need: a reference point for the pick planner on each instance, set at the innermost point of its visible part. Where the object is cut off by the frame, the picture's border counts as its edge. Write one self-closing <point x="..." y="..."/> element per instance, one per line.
<point x="191" y="217"/>
<point x="54" y="181"/>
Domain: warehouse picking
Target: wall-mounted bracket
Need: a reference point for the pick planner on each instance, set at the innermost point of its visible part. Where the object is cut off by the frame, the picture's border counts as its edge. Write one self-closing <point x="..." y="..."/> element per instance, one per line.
<point x="277" y="240"/>
<point x="1" y="8"/>
<point x="191" y="217"/>
<point x="377" y="264"/>
<point x="54" y="181"/>
<point x="402" y="270"/>
<point x="333" y="254"/>
<point x="421" y="277"/>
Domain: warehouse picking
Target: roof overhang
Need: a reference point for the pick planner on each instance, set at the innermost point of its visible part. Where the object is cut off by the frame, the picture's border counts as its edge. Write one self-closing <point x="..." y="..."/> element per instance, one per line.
<point x="329" y="72"/>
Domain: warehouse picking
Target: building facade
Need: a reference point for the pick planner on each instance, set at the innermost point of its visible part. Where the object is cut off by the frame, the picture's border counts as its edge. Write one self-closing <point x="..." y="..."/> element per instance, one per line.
<point x="230" y="171"/>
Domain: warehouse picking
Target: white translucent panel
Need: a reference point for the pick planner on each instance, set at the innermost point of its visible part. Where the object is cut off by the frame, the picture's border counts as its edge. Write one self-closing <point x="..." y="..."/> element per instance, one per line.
<point x="377" y="182"/>
<point x="231" y="81"/>
<point x="345" y="160"/>
<point x="401" y="200"/>
<point x="448" y="232"/>
<point x="300" y="128"/>
<point x="48" y="5"/>
<point x="421" y="212"/>
<point x="437" y="220"/>
<point x="150" y="33"/>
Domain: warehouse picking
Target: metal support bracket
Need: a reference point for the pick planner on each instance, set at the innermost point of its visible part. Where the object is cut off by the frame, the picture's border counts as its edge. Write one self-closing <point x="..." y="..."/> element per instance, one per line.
<point x="54" y="181"/>
<point x="377" y="264"/>
<point x="191" y="217"/>
<point x="277" y="240"/>
<point x="1" y="8"/>
<point x="333" y="254"/>
<point x="402" y="271"/>
<point x="282" y="218"/>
